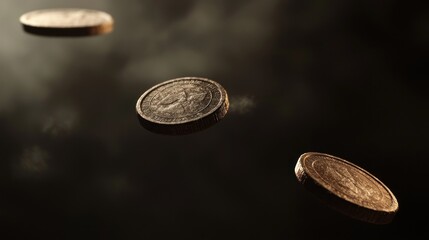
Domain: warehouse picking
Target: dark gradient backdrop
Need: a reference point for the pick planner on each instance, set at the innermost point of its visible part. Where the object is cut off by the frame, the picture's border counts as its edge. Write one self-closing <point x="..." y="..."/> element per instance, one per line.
<point x="340" y="77"/>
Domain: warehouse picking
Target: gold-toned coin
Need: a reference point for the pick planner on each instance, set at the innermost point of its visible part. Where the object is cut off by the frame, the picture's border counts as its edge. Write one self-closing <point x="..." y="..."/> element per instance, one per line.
<point x="346" y="187"/>
<point x="72" y="22"/>
<point x="182" y="105"/>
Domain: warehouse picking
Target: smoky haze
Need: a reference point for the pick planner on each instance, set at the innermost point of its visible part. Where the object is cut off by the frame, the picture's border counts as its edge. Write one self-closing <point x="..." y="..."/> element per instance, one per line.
<point x="155" y="42"/>
<point x="339" y="77"/>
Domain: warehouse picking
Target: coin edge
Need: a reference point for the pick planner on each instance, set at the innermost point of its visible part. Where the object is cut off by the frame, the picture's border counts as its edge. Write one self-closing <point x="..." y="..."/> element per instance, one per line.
<point x="98" y="29"/>
<point x="190" y="126"/>
<point x="339" y="203"/>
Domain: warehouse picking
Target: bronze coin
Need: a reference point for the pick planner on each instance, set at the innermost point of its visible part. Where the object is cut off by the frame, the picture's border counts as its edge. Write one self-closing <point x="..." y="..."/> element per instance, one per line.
<point x="73" y="22"/>
<point x="346" y="187"/>
<point x="182" y="105"/>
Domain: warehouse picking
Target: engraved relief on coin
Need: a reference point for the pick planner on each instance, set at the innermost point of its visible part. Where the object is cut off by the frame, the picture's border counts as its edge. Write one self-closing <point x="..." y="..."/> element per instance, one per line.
<point x="183" y="100"/>
<point x="358" y="193"/>
<point x="179" y="102"/>
<point x="67" y="22"/>
<point x="351" y="183"/>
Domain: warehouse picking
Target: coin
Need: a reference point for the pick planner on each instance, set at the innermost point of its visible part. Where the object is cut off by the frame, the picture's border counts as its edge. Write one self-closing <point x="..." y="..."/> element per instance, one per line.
<point x="182" y="105"/>
<point x="346" y="187"/>
<point x="73" y="22"/>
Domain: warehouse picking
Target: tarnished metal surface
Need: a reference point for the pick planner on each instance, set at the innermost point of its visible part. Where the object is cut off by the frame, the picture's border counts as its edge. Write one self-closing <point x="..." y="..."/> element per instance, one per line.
<point x="182" y="105"/>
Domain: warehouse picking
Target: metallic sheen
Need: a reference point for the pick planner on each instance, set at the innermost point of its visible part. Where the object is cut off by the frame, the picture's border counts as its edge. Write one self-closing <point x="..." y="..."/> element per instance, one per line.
<point x="182" y="105"/>
<point x="67" y="22"/>
<point x="347" y="187"/>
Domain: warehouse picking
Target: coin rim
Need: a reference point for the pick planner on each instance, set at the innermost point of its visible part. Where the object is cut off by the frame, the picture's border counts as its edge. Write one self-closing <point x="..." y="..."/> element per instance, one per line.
<point x="338" y="202"/>
<point x="103" y="27"/>
<point x="186" y="126"/>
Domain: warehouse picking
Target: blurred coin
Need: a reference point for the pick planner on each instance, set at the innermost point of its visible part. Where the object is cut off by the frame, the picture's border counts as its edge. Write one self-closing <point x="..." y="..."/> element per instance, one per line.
<point x="73" y="22"/>
<point x="346" y="187"/>
<point x="182" y="105"/>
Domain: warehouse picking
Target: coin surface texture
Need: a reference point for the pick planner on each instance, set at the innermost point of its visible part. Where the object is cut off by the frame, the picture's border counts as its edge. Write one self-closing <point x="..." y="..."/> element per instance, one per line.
<point x="346" y="187"/>
<point x="182" y="105"/>
<point x="67" y="22"/>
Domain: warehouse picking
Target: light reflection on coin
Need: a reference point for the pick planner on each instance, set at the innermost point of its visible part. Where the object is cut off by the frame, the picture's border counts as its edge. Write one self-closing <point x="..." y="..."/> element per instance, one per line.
<point x="67" y="22"/>
<point x="182" y="105"/>
<point x="346" y="187"/>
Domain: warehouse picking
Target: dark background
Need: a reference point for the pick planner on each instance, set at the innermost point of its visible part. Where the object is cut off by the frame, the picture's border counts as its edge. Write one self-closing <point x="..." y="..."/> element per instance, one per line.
<point x="342" y="77"/>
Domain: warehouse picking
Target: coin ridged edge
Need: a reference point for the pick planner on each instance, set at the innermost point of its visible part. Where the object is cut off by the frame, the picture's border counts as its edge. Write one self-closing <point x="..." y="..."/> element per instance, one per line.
<point x="186" y="127"/>
<point x="342" y="205"/>
<point x="69" y="32"/>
